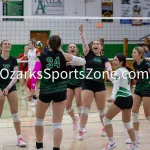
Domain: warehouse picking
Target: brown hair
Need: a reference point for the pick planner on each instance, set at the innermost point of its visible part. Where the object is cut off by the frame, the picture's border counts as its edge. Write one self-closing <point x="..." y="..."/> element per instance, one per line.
<point x="33" y="41"/>
<point x="54" y="42"/>
<point x="140" y="50"/>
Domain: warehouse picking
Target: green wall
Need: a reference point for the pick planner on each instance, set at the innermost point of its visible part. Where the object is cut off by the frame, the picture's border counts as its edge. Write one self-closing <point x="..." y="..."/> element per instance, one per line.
<point x="110" y="49"/>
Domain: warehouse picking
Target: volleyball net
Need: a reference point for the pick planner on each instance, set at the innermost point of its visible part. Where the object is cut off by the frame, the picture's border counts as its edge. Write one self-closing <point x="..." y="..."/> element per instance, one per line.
<point x="119" y="35"/>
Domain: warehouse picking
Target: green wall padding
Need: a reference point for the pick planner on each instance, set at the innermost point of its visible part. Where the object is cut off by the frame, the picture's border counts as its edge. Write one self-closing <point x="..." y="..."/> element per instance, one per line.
<point x="110" y="49"/>
<point x="16" y="50"/>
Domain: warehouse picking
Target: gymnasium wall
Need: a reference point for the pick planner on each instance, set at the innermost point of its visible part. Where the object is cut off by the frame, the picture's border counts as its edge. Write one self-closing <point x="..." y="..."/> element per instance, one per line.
<point x="113" y="33"/>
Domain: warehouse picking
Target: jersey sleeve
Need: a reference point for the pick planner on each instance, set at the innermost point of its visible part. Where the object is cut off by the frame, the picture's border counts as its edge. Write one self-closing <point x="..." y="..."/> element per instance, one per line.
<point x="20" y="56"/>
<point x="116" y="84"/>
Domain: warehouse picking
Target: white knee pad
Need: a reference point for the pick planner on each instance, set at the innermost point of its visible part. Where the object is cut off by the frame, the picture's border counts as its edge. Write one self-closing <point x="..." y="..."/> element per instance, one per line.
<point x="85" y="110"/>
<point x="16" y="117"/>
<point x="57" y="126"/>
<point x="148" y="118"/>
<point x="79" y="109"/>
<point x="135" y="117"/>
<point x="38" y="122"/>
<point x="69" y="110"/>
<point x="128" y="125"/>
<point x="102" y="112"/>
<point x="106" y="121"/>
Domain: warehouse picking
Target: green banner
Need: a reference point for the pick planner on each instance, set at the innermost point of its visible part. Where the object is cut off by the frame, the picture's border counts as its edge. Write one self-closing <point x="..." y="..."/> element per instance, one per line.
<point x="13" y="8"/>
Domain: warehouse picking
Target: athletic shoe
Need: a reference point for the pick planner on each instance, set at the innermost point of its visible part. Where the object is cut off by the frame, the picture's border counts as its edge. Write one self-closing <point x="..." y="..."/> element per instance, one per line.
<point x="130" y="142"/>
<point x="80" y="135"/>
<point x="21" y="142"/>
<point x="75" y="123"/>
<point x="132" y="147"/>
<point x="109" y="146"/>
<point x="104" y="134"/>
<point x="40" y="149"/>
<point x="33" y="102"/>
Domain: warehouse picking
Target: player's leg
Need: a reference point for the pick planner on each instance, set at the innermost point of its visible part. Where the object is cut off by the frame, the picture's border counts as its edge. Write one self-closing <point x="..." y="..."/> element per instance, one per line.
<point x="13" y="102"/>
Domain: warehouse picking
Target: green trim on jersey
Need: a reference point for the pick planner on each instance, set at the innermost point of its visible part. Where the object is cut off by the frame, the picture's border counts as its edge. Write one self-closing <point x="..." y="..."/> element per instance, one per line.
<point x="123" y="92"/>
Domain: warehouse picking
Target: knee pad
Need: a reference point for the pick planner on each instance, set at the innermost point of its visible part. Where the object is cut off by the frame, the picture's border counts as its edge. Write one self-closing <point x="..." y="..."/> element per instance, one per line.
<point x="38" y="122"/>
<point x="106" y="121"/>
<point x="57" y="126"/>
<point x="148" y="118"/>
<point x="16" y="117"/>
<point x="102" y="112"/>
<point x="85" y="110"/>
<point x="128" y="125"/>
<point x="69" y="110"/>
<point x="79" y="109"/>
<point x="135" y="117"/>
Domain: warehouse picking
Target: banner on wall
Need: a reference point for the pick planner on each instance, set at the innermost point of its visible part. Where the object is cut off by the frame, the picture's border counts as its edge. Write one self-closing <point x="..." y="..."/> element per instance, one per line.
<point x="125" y="11"/>
<point x="146" y="12"/>
<point x="13" y="8"/>
<point x="136" y="11"/>
<point x="107" y="10"/>
<point x="48" y="7"/>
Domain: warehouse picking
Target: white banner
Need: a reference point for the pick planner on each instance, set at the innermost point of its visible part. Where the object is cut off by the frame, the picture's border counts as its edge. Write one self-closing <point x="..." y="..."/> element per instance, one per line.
<point x="136" y="11"/>
<point x="125" y="11"/>
<point x="146" y="11"/>
<point x="48" y="7"/>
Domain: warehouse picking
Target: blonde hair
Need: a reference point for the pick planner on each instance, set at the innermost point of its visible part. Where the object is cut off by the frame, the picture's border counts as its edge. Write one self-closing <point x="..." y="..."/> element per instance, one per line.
<point x="1" y="46"/>
<point x="140" y="50"/>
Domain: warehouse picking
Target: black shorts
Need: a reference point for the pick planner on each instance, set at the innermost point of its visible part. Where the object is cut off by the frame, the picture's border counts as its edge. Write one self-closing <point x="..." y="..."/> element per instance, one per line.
<point x="55" y="97"/>
<point x="93" y="86"/>
<point x="142" y="94"/>
<point x="13" y="88"/>
<point x="124" y="102"/>
<point x="73" y="87"/>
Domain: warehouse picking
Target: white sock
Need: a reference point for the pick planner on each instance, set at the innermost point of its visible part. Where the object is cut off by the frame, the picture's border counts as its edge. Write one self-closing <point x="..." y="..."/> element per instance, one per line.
<point x="136" y="134"/>
<point x="81" y="129"/>
<point x="18" y="136"/>
<point x="110" y="140"/>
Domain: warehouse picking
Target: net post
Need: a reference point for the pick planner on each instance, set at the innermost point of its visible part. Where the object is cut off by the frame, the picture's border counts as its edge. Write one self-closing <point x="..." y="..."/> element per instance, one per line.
<point x="125" y="47"/>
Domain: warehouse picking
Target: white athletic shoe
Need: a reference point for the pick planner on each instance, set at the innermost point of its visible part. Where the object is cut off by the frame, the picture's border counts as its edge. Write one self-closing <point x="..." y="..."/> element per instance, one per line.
<point x="109" y="146"/>
<point x="80" y="135"/>
<point x="104" y="134"/>
<point x="130" y="142"/>
<point x="40" y="149"/>
<point x="21" y="142"/>
<point x="132" y="147"/>
<point x="33" y="102"/>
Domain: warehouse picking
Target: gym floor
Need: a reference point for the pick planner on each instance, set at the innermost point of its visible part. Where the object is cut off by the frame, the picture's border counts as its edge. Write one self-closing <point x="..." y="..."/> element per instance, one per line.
<point x="93" y="139"/>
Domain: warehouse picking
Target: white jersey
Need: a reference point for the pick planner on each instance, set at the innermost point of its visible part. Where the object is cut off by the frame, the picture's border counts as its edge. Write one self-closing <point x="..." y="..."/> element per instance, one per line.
<point x="31" y="59"/>
<point x="121" y="83"/>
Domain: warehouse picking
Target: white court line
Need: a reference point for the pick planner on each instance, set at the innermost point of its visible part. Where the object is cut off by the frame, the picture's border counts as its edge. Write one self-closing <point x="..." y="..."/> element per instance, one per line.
<point x="47" y="142"/>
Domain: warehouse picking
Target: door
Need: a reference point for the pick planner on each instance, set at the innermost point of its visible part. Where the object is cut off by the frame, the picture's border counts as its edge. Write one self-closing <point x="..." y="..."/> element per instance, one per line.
<point x="42" y="36"/>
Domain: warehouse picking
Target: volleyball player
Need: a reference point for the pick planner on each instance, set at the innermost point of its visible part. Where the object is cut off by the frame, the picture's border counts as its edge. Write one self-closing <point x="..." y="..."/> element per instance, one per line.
<point x="32" y="56"/>
<point x="142" y="89"/>
<point x="55" y="61"/>
<point x="93" y="87"/>
<point x="122" y="102"/>
<point x="8" y="87"/>
<point x="23" y="68"/>
<point x="74" y="87"/>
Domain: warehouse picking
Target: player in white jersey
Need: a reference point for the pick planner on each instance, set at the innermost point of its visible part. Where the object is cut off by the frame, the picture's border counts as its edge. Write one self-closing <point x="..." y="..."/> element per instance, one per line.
<point x="122" y="102"/>
<point x="32" y="56"/>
